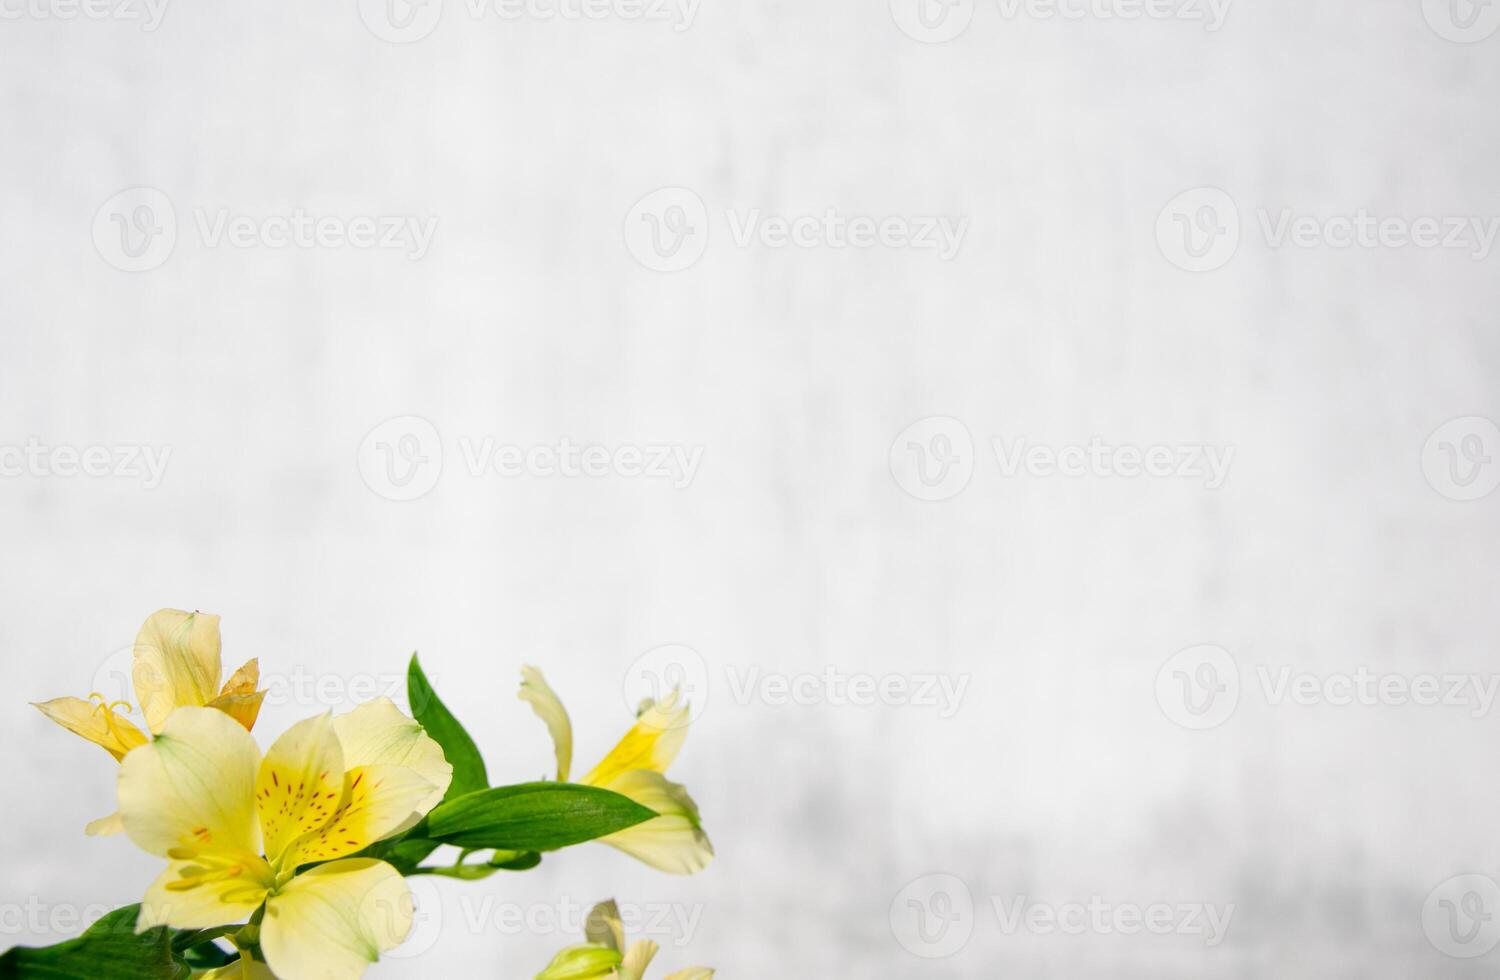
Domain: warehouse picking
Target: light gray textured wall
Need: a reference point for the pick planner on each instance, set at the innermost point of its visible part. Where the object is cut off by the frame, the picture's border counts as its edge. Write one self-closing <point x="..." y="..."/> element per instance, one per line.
<point x="799" y="544"/>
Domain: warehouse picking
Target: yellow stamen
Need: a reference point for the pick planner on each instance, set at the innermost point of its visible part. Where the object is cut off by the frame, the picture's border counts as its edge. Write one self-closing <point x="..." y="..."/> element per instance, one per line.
<point x="108" y="708"/>
<point x="210" y="868"/>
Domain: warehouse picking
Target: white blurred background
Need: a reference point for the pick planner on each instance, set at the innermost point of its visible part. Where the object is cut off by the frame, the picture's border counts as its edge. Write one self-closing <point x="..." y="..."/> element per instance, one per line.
<point x="1095" y="296"/>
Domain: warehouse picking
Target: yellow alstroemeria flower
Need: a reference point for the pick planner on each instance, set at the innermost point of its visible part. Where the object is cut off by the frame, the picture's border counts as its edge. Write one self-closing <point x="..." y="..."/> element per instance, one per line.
<point x="176" y="664"/>
<point x="605" y="955"/>
<point x="674" y="840"/>
<point x="235" y="827"/>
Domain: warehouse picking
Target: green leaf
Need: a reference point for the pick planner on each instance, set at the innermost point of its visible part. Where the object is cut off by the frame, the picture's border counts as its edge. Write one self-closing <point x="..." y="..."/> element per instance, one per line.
<point x="108" y="950"/>
<point x="533" y="817"/>
<point x="460" y="750"/>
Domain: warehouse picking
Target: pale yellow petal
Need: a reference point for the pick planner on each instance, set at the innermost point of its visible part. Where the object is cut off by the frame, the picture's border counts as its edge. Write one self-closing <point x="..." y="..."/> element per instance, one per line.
<point x="300" y="783"/>
<point x="204" y="892"/>
<point x="102" y="725"/>
<point x="332" y="922"/>
<point x="603" y="927"/>
<point x="637" y="958"/>
<point x="106" y="826"/>
<point x="243" y="968"/>
<point x="377" y="802"/>
<point x="549" y="707"/>
<point x="674" y="841"/>
<point x="192" y="787"/>
<point x="671" y="844"/>
<point x="652" y="742"/>
<point x="692" y="973"/>
<point x="176" y="663"/>
<point x="378" y="733"/>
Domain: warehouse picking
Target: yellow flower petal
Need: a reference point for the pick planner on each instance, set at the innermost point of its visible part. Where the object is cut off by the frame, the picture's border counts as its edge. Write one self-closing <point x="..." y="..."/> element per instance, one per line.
<point x="96" y="722"/>
<point x="378" y="733"/>
<point x="300" y="783"/>
<point x="243" y="681"/>
<point x="377" y="802"/>
<point x="106" y="826"/>
<point x="637" y="958"/>
<point x="604" y="928"/>
<point x="205" y="891"/>
<point x="672" y="842"/>
<point x="692" y="973"/>
<point x="192" y="787"/>
<point x="176" y="663"/>
<point x="652" y="742"/>
<point x="549" y="707"/>
<point x="332" y="922"/>
<point x="238" y="698"/>
<point x="243" y="708"/>
<point x="243" y="968"/>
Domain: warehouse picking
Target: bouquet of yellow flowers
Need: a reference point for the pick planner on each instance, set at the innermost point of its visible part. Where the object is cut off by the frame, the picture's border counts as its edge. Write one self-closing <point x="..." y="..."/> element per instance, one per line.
<point x="292" y="863"/>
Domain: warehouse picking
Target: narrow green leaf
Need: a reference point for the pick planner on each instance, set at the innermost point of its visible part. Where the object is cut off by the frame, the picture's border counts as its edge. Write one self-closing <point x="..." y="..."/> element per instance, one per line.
<point x="533" y="817"/>
<point x="108" y="950"/>
<point x="458" y="747"/>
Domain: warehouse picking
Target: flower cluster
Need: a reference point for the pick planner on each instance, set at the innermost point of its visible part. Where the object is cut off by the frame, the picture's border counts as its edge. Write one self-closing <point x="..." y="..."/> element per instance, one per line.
<point x="292" y="863"/>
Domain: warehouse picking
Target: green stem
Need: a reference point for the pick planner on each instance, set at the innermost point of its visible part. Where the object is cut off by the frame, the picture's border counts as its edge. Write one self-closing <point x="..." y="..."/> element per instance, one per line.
<point x="197" y="937"/>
